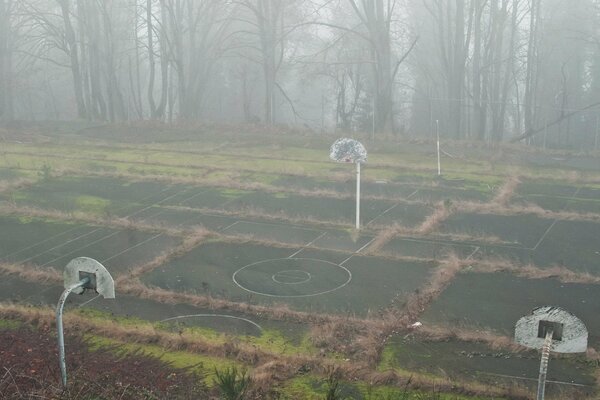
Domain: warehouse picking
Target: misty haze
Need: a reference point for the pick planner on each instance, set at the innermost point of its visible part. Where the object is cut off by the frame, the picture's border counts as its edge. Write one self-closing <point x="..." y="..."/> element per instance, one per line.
<point x="300" y="199"/>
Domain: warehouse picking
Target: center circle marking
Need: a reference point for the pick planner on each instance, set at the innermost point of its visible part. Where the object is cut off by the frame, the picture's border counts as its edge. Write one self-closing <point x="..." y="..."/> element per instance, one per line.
<point x="292" y="276"/>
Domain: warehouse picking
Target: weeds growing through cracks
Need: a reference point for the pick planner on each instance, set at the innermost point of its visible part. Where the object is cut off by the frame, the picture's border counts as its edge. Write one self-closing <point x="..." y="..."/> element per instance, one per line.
<point x="232" y="383"/>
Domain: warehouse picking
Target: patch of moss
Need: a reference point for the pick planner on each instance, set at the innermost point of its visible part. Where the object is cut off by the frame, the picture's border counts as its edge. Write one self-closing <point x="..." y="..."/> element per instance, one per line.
<point x="10" y="324"/>
<point x="311" y="387"/>
<point x="274" y="341"/>
<point x="233" y="193"/>
<point x="200" y="364"/>
<point x="92" y="204"/>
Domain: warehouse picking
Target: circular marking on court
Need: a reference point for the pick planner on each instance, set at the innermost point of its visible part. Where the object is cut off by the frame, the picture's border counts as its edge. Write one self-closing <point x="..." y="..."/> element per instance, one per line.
<point x="292" y="277"/>
<point x="224" y="316"/>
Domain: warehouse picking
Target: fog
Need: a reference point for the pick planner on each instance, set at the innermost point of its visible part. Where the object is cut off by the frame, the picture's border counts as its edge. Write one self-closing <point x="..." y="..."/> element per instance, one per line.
<point x="489" y="70"/>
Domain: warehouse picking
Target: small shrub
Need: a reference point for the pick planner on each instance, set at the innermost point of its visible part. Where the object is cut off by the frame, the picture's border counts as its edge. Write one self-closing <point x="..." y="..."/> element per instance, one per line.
<point x="232" y="383"/>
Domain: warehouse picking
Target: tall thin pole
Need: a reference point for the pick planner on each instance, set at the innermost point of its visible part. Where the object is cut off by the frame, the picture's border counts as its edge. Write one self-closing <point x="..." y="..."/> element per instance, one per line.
<point x="59" y="326"/>
<point x="358" y="195"/>
<point x="545" y="133"/>
<point x="544" y="365"/>
<point x="437" y="132"/>
<point x="597" y="129"/>
<point x="373" y="125"/>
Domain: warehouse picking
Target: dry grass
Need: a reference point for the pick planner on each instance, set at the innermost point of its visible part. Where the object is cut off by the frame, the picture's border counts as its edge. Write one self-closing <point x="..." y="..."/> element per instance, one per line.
<point x="269" y="368"/>
<point x="441" y="212"/>
<point x="418" y="302"/>
<point x="141" y="334"/>
<point x="384" y="236"/>
<point x="190" y="242"/>
<point x="280" y="312"/>
<point x="254" y="212"/>
<point x="82" y="217"/>
<point x="526" y="208"/>
<point x="488" y="337"/>
<point x="506" y="191"/>
<point x="530" y="271"/>
<point x="16" y="184"/>
<point x="32" y="273"/>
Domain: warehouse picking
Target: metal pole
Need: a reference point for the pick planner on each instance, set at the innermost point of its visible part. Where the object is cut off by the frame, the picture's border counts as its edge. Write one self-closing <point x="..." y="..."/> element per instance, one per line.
<point x="59" y="325"/>
<point x="545" y="132"/>
<point x="357" y="195"/>
<point x="544" y="365"/>
<point x="373" y="127"/>
<point x="437" y="132"/>
<point x="596" y="139"/>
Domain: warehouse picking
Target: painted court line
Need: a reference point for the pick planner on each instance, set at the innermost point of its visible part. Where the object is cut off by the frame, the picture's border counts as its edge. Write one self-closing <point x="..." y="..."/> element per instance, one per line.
<point x="535" y="379"/>
<point x="214" y="315"/>
<point x="308" y="244"/>
<point x="392" y="207"/>
<point x="131" y="248"/>
<point x="83" y="247"/>
<point x="554" y="222"/>
<point x="274" y="224"/>
<point x="356" y="252"/>
<point x="473" y="253"/>
<point x="60" y="245"/>
<point x="73" y="229"/>
<point x="229" y="226"/>
<point x="93" y="231"/>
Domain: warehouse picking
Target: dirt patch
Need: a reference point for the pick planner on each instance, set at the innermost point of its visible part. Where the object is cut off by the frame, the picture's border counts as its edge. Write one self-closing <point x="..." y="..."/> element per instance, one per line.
<point x="30" y="370"/>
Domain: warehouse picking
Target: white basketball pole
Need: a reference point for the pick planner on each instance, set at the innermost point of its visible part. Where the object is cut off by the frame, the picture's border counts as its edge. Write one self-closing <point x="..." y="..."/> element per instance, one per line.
<point x="437" y="131"/>
<point x="358" y="195"/>
<point x="544" y="365"/>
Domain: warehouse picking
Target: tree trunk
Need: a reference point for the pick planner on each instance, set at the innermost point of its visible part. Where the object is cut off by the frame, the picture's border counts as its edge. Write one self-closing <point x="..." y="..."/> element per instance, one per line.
<point x="73" y="53"/>
<point x="530" y="89"/>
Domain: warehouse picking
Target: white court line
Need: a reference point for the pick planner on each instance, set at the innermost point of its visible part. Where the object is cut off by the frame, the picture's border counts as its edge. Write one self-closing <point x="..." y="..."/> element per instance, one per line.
<point x="473" y="253"/>
<point x="365" y="246"/>
<point x="214" y="315"/>
<point x="544" y="235"/>
<point x="81" y="248"/>
<point x="273" y="224"/>
<point x="72" y="229"/>
<point x="131" y="248"/>
<point x="308" y="244"/>
<point x="554" y="223"/>
<point x="89" y="301"/>
<point x="356" y="252"/>
<point x="392" y="207"/>
<point x="93" y="231"/>
<point x="229" y="226"/>
<point x="535" y="379"/>
<point x="113" y="234"/>
<point x="60" y="245"/>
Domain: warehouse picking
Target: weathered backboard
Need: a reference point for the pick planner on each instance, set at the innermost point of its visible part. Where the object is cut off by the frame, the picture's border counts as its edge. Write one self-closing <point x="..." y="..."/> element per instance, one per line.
<point x="348" y="150"/>
<point x="569" y="334"/>
<point x="100" y="279"/>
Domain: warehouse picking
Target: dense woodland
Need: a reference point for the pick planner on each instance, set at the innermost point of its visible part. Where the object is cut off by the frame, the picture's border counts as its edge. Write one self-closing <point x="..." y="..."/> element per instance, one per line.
<point x="488" y="70"/>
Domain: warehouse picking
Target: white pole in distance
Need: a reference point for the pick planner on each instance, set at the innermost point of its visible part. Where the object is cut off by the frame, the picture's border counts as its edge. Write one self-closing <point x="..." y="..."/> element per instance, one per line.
<point x="596" y="138"/>
<point x="358" y="195"/>
<point x="373" y="124"/>
<point x="437" y="132"/>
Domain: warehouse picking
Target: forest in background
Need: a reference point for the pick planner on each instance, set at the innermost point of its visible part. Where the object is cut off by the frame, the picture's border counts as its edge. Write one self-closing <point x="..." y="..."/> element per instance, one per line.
<point x="487" y="70"/>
